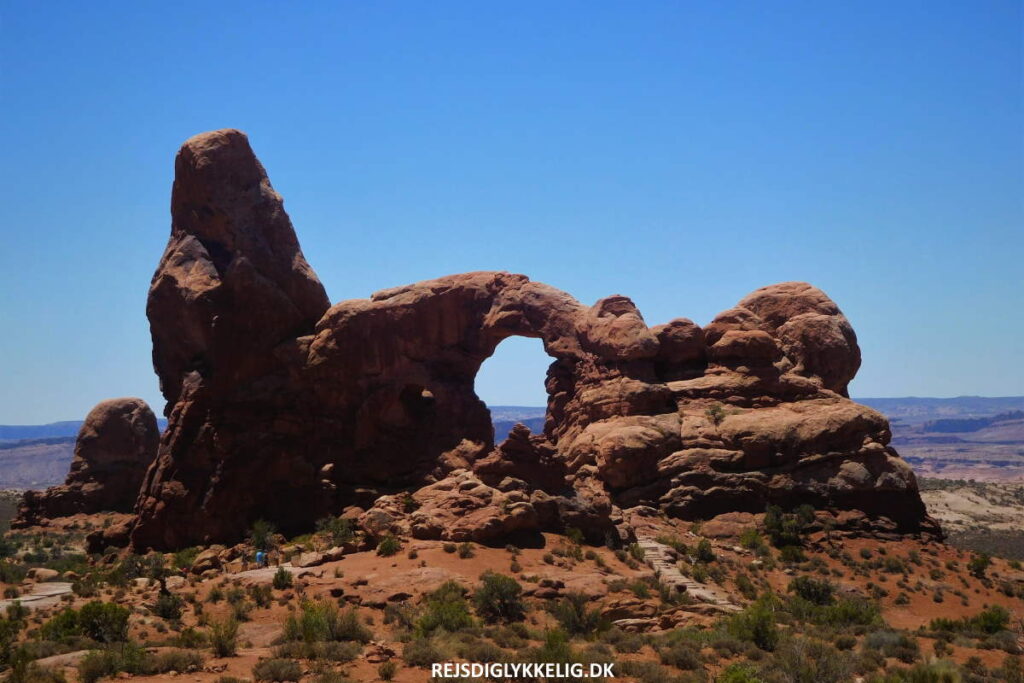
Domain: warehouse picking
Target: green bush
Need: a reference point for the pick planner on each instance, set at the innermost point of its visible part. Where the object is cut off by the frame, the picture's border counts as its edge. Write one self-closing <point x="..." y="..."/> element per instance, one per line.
<point x="386" y="671"/>
<point x="388" y="546"/>
<point x="739" y="673"/>
<point x="277" y="670"/>
<point x="445" y="609"/>
<point x="704" y="551"/>
<point x="499" y="598"/>
<point x="756" y="624"/>
<point x="812" y="590"/>
<point x="466" y="550"/>
<point x="682" y="655"/>
<point x="339" y="530"/>
<point x="991" y="620"/>
<point x="261" y="534"/>
<point x="103" y="622"/>
<point x="422" y="652"/>
<point x="224" y="637"/>
<point x="810" y="661"/>
<point x="572" y="614"/>
<point x="892" y="644"/>
<point x="746" y="587"/>
<point x="282" y="579"/>
<point x="322" y="621"/>
<point x="168" y="606"/>
<point x="184" y="558"/>
<point x="787" y="528"/>
<point x="979" y="564"/>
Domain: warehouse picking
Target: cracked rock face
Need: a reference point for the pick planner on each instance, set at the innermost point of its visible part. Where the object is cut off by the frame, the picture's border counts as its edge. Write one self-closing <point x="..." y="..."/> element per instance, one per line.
<point x="285" y="408"/>
<point x="115" y="446"/>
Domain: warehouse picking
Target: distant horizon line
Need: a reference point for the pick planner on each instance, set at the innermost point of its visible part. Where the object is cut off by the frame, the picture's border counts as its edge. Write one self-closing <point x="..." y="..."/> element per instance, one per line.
<point x="540" y="407"/>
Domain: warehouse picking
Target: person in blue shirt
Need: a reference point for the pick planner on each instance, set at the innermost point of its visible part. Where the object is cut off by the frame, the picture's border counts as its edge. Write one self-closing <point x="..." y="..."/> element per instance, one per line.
<point x="261" y="558"/>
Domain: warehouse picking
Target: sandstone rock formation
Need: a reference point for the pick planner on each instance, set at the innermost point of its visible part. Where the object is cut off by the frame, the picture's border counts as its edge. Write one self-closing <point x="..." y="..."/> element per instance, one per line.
<point x="283" y="408"/>
<point x="116" y="444"/>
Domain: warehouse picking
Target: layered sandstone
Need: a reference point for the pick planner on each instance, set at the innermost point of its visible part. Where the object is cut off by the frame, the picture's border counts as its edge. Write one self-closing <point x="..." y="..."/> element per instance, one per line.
<point x="284" y="408"/>
<point x="115" y="446"/>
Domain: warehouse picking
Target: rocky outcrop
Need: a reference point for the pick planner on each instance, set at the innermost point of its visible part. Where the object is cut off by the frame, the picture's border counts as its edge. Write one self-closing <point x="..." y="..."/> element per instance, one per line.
<point x="283" y="408"/>
<point x="116" y="444"/>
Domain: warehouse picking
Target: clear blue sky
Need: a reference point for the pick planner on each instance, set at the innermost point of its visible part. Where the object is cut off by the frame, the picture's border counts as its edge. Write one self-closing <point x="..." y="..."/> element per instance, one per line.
<point x="680" y="153"/>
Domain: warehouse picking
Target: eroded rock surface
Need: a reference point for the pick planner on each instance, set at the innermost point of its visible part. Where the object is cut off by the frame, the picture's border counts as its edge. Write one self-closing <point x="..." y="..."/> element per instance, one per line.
<point x="284" y="408"/>
<point x="116" y="444"/>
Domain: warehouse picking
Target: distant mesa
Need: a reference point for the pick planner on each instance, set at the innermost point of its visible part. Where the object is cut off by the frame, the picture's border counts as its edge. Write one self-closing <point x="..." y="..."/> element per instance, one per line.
<point x="284" y="407"/>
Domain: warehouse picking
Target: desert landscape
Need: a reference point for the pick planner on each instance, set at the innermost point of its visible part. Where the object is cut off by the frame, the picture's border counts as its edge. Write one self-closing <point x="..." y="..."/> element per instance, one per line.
<point x="329" y="500"/>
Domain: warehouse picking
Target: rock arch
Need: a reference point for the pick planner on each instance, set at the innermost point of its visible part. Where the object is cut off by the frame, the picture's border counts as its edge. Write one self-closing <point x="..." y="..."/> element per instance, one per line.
<point x="283" y="408"/>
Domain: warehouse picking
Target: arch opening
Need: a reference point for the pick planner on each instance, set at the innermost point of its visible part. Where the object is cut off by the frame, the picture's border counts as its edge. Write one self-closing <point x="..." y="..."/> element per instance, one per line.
<point x="511" y="383"/>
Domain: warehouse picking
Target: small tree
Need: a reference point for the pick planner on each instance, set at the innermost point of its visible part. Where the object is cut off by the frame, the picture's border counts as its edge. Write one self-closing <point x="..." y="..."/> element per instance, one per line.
<point x="499" y="598"/>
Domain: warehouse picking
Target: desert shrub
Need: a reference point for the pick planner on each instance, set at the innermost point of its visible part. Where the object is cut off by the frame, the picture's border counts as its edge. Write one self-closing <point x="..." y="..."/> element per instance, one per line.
<point x="339" y="530"/>
<point x="892" y="644"/>
<point x="466" y="550"/>
<point x="261" y="595"/>
<point x="572" y="614"/>
<point x="184" y="558"/>
<point x="845" y="642"/>
<point x="277" y="670"/>
<point x="322" y="621"/>
<point x="24" y="670"/>
<point x="674" y="542"/>
<point x="181" y="661"/>
<point x="1003" y="640"/>
<point x="103" y="622"/>
<point x="715" y="413"/>
<point x="400" y="614"/>
<point x="499" y="598"/>
<point x="446" y="609"/>
<point x="682" y="655"/>
<point x="386" y="671"/>
<point x="746" y="587"/>
<point x="190" y="638"/>
<point x="167" y="606"/>
<point x="979" y="564"/>
<point x="11" y="572"/>
<point x="810" y="661"/>
<point x="422" y="652"/>
<point x="792" y="554"/>
<point x="991" y="620"/>
<point x="282" y="579"/>
<point x="756" y="624"/>
<point x="449" y="547"/>
<point x="787" y="528"/>
<point x="389" y="545"/>
<point x="739" y="672"/>
<point x="333" y="651"/>
<point x="261" y="534"/>
<point x="110" y="661"/>
<point x="751" y="539"/>
<point x="704" y="551"/>
<point x="812" y="590"/>
<point x="223" y="637"/>
<point x="623" y="642"/>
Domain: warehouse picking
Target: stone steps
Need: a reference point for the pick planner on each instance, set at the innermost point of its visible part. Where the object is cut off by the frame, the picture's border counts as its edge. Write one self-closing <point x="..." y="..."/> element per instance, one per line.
<point x="662" y="559"/>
